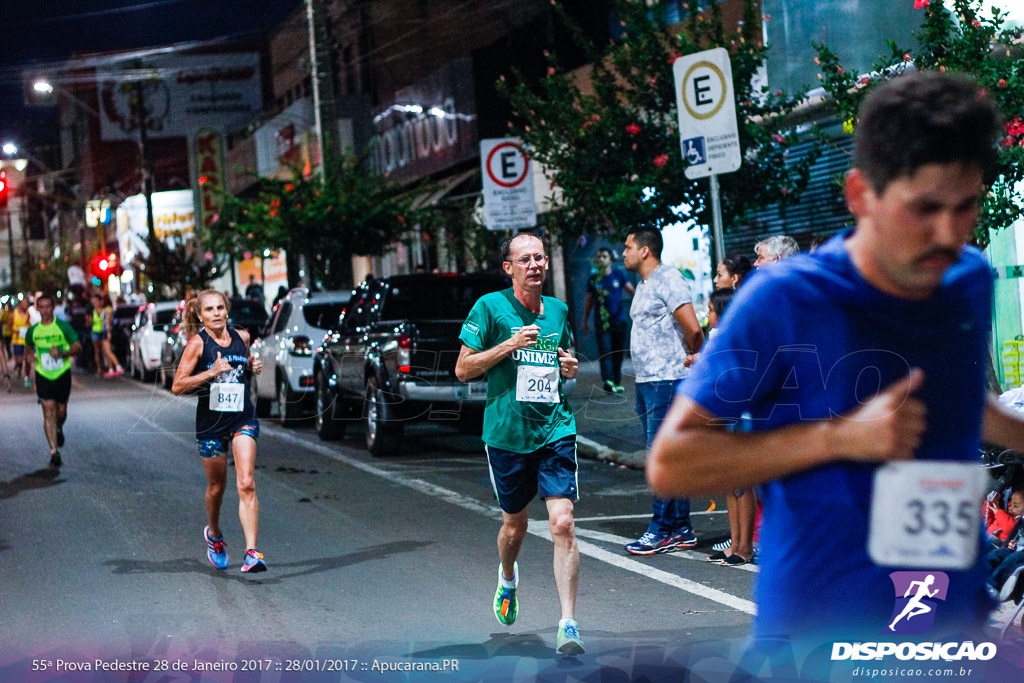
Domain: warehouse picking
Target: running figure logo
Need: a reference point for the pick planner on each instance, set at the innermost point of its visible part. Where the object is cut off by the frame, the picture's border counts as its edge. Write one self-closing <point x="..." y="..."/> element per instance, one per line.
<point x="917" y="596"/>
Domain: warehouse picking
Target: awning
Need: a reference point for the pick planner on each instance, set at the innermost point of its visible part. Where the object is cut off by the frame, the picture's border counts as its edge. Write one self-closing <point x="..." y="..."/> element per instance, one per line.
<point x="442" y="189"/>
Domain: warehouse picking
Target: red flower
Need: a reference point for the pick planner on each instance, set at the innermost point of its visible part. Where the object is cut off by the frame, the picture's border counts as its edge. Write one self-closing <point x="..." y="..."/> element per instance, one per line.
<point x="289" y="187"/>
<point x="661" y="160"/>
<point x="778" y="137"/>
<point x="864" y="80"/>
<point x="975" y="23"/>
<point x="586" y="124"/>
<point x="1002" y="83"/>
<point x="595" y="117"/>
<point x="906" y="56"/>
<point x="672" y="58"/>
<point x="633" y="129"/>
<point x="921" y="4"/>
<point x="551" y="71"/>
<point x="840" y="69"/>
<point x="401" y="219"/>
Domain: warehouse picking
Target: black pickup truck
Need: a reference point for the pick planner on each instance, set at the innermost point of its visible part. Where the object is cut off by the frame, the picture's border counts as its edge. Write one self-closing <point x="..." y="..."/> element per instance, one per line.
<point x="391" y="358"/>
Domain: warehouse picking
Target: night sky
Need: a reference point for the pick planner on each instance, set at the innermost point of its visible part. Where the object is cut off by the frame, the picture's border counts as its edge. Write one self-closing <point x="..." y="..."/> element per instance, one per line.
<point x="40" y="32"/>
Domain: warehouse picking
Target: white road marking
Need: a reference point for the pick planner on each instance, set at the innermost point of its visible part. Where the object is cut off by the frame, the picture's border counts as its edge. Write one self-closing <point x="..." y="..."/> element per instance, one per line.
<point x="536" y="527"/>
<point x="681" y="554"/>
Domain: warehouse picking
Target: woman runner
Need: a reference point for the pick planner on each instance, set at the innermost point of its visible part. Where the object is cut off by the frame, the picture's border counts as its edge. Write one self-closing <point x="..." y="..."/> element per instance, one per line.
<point x="215" y="365"/>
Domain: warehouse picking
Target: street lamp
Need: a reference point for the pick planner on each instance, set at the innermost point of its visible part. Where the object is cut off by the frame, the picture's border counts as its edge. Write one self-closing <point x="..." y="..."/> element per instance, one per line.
<point x="43" y="87"/>
<point x="10" y="149"/>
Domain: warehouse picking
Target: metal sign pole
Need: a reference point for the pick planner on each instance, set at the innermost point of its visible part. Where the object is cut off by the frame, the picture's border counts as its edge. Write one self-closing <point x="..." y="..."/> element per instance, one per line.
<point x="716" y="212"/>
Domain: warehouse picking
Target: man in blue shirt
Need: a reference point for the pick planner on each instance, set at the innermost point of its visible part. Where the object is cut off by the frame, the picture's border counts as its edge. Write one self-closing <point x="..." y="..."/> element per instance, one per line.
<point x="860" y="370"/>
<point x="604" y="297"/>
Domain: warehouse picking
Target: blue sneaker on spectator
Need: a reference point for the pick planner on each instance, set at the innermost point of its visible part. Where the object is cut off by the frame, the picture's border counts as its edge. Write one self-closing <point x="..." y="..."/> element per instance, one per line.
<point x="653" y="544"/>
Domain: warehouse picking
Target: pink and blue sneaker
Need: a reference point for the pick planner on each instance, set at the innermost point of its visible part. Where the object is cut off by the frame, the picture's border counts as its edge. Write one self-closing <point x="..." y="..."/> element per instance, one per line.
<point x="216" y="550"/>
<point x="253" y="561"/>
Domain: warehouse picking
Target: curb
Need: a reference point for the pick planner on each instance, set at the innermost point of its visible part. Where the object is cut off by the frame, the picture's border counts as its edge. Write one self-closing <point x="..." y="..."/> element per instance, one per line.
<point x="592" y="450"/>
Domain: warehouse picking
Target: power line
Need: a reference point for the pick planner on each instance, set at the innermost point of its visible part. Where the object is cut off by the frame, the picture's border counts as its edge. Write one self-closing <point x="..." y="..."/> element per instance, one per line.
<point x="94" y="13"/>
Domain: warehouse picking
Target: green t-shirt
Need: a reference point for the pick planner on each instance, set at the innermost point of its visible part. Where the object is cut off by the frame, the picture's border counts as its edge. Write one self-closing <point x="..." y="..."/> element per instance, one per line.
<point x="517" y="425"/>
<point x="43" y="338"/>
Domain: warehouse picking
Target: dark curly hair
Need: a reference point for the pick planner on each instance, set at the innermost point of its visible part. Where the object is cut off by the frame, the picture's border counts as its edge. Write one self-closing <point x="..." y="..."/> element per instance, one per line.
<point x="737" y="264"/>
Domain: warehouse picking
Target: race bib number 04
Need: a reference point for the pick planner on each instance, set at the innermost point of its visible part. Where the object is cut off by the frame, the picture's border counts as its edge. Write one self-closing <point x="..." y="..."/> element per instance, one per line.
<point x="925" y="514"/>
<point x="537" y="384"/>
<point x="227" y="397"/>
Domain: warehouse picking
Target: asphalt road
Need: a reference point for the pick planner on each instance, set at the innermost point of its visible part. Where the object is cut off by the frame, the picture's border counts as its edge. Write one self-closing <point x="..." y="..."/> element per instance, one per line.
<point x="372" y="562"/>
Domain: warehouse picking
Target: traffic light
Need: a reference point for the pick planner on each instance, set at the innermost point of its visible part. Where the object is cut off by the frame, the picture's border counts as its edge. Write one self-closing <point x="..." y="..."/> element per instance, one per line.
<point x="102" y="266"/>
<point x="4" y="190"/>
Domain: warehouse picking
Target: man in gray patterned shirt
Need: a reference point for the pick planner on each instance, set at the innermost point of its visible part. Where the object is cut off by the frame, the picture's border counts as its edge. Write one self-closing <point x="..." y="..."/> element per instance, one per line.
<point x="665" y="329"/>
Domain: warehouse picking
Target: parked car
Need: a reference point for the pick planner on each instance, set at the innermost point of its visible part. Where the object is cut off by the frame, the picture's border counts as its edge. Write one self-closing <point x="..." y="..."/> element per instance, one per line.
<point x="149" y="337"/>
<point x="391" y="358"/>
<point x="296" y="326"/>
<point x="249" y="315"/>
<point x="174" y="345"/>
<point x="121" y="331"/>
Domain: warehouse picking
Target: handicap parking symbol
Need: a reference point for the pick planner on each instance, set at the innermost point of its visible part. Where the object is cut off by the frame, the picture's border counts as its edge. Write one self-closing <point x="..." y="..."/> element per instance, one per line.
<point x="693" y="150"/>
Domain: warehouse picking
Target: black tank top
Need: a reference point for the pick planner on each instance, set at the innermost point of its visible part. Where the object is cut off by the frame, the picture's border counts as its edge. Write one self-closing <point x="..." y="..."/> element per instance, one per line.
<point x="212" y="424"/>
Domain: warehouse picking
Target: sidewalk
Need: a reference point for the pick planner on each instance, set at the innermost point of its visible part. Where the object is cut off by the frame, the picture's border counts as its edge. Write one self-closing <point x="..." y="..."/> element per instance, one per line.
<point x="606" y="424"/>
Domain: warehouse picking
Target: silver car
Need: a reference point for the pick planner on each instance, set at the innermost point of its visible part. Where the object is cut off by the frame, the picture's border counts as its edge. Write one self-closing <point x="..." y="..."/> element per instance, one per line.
<point x="296" y="327"/>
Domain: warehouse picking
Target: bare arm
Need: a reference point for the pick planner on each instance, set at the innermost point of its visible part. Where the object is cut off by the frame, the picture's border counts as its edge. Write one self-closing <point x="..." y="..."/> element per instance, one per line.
<point x="473" y="363"/>
<point x="693" y="336"/>
<point x="184" y="381"/>
<point x="691" y="456"/>
<point x="588" y="306"/>
<point x="1001" y="426"/>
<point x="630" y="289"/>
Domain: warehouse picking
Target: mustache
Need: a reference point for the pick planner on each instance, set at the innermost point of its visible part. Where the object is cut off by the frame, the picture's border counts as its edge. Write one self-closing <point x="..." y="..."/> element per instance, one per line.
<point x="945" y="252"/>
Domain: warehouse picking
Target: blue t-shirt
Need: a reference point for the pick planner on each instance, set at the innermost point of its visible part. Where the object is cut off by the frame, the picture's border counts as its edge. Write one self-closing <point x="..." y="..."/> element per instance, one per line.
<point x="608" y="291"/>
<point x="809" y="338"/>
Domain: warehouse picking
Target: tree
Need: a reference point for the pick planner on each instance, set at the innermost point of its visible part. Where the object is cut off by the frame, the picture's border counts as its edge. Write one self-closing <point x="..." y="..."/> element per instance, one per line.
<point x="967" y="40"/>
<point x="349" y="213"/>
<point x="180" y="265"/>
<point x="615" y="152"/>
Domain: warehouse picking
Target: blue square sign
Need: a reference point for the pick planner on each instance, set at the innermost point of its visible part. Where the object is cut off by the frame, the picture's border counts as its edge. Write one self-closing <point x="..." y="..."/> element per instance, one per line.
<point x="693" y="151"/>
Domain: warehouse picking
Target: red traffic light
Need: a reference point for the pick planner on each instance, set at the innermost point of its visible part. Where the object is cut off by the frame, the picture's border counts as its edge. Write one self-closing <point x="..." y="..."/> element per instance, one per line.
<point x="104" y="265"/>
<point x="4" y="190"/>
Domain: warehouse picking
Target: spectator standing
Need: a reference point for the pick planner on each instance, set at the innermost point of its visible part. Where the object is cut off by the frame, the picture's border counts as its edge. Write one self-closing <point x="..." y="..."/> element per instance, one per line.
<point x="775" y="248"/>
<point x="102" y="329"/>
<point x="254" y="292"/>
<point x="863" y="303"/>
<point x="21" y="321"/>
<point x="665" y="330"/>
<point x="7" y="326"/>
<point x="604" y="297"/>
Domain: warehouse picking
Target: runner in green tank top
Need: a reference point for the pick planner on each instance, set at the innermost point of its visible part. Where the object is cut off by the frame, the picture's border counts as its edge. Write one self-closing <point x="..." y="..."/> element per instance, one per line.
<point x="520" y="340"/>
<point x="50" y="345"/>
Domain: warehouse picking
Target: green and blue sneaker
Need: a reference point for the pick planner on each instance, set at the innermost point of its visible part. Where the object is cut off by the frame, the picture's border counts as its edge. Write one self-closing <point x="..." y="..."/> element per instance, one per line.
<point x="506" y="606"/>
<point x="569" y="641"/>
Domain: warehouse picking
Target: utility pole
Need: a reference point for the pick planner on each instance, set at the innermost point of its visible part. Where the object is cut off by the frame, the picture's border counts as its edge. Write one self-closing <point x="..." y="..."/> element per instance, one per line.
<point x="140" y="115"/>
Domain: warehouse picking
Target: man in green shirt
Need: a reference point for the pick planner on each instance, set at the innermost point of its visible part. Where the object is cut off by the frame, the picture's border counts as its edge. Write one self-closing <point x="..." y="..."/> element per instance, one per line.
<point x="520" y="340"/>
<point x="50" y="345"/>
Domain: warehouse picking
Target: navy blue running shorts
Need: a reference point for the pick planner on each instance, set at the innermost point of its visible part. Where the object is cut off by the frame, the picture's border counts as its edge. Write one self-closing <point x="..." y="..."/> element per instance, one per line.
<point x="213" y="448"/>
<point x="518" y="477"/>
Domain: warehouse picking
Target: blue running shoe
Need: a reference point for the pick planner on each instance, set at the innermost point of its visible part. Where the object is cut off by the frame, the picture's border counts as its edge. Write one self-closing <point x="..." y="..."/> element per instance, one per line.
<point x="253" y="561"/>
<point x="569" y="641"/>
<point x="506" y="606"/>
<point x="216" y="550"/>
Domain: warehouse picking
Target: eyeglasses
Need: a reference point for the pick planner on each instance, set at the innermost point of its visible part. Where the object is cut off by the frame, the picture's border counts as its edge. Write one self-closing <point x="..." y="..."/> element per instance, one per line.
<point x="524" y="261"/>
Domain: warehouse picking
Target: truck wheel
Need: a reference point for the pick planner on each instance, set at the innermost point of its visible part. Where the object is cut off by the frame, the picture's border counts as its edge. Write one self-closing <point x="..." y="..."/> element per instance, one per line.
<point x="328" y="427"/>
<point x="383" y="431"/>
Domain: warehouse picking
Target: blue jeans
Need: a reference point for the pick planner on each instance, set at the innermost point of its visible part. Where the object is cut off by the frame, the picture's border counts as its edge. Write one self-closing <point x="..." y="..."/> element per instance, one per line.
<point x="611" y="348"/>
<point x="653" y="399"/>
